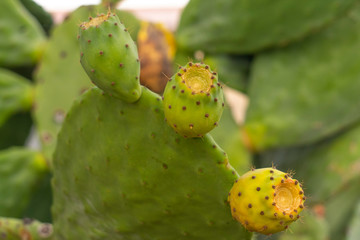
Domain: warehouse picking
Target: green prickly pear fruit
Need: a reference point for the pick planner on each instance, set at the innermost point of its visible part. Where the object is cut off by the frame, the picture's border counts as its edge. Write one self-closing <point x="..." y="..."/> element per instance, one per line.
<point x="266" y="200"/>
<point x="193" y="100"/>
<point x="110" y="57"/>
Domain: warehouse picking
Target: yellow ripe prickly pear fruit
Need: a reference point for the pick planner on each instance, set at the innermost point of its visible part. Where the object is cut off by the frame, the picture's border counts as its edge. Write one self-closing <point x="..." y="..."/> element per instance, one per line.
<point x="266" y="200"/>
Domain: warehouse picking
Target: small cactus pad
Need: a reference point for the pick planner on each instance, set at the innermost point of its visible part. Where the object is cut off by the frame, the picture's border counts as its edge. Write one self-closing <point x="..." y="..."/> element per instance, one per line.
<point x="121" y="173"/>
<point x="110" y="57"/>
<point x="266" y="200"/>
<point x="193" y="100"/>
<point x="24" y="229"/>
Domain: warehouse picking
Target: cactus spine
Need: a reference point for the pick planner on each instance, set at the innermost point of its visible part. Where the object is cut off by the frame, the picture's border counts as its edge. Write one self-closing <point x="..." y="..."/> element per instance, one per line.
<point x="193" y="100"/>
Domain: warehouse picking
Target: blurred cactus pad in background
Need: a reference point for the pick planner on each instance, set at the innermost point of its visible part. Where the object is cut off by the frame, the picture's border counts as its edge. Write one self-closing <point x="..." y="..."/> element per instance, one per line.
<point x="240" y="123"/>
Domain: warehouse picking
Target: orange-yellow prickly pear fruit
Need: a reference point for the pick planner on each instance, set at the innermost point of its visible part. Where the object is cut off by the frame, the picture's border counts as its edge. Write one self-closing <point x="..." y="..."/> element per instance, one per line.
<point x="266" y="200"/>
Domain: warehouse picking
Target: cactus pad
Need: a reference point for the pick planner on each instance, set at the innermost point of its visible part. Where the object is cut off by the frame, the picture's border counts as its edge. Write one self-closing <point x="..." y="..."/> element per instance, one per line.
<point x="295" y="98"/>
<point x="60" y="78"/>
<point x="22" y="39"/>
<point x="248" y="26"/>
<point x="193" y="100"/>
<point x="110" y="57"/>
<point x="16" y="94"/>
<point x="266" y="200"/>
<point x="143" y="182"/>
<point x="20" y="171"/>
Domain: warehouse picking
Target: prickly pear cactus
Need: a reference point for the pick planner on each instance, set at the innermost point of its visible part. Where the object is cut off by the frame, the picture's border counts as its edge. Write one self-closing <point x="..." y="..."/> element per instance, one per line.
<point x="56" y="88"/>
<point x="60" y="78"/>
<point x="22" y="39"/>
<point x="21" y="170"/>
<point x="307" y="104"/>
<point x="110" y="57"/>
<point x="248" y="26"/>
<point x="16" y="94"/>
<point x="193" y="100"/>
<point x="145" y="182"/>
<point x="16" y="229"/>
<point x="42" y="16"/>
<point x="266" y="200"/>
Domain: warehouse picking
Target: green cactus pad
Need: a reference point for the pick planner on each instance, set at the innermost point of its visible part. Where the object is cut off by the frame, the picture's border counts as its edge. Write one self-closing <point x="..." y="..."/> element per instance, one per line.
<point x="60" y="78"/>
<point x="193" y="100"/>
<point x="307" y="91"/>
<point x="22" y="39"/>
<point x="121" y="173"/>
<point x="266" y="200"/>
<point x="24" y="229"/>
<point x="248" y="26"/>
<point x="20" y="171"/>
<point x="41" y="15"/>
<point x="110" y="57"/>
<point x="16" y="94"/>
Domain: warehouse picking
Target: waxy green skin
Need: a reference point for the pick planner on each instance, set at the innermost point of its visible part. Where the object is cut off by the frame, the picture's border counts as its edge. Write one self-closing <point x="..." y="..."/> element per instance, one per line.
<point x="16" y="94"/>
<point x="249" y="26"/>
<point x="110" y="58"/>
<point x="192" y="114"/>
<point x="17" y="229"/>
<point x="22" y="38"/>
<point x="21" y="170"/>
<point x="143" y="181"/>
<point x="42" y="16"/>
<point x="298" y="93"/>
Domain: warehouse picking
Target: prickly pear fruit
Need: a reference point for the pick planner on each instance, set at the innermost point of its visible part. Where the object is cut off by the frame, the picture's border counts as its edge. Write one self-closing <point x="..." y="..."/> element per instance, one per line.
<point x="127" y="188"/>
<point x="193" y="100"/>
<point x="266" y="200"/>
<point x="156" y="47"/>
<point x="15" y="229"/>
<point x="110" y="57"/>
